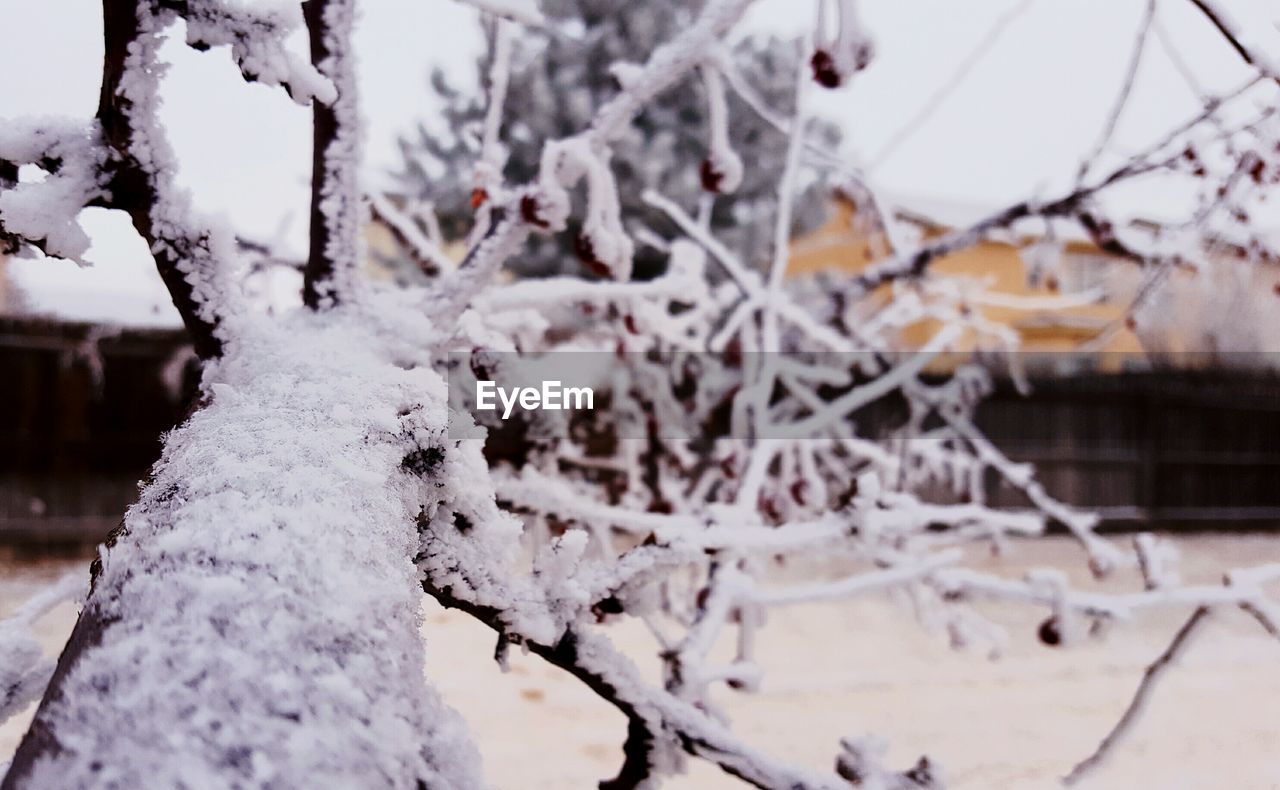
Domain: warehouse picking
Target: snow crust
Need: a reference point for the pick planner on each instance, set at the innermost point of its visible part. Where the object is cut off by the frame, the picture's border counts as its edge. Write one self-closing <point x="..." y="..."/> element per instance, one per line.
<point x="47" y="208"/>
<point x="24" y="668"/>
<point x="273" y="549"/>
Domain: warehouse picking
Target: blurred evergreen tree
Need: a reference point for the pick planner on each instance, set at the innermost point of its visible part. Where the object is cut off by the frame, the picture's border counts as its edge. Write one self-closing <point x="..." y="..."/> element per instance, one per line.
<point x="561" y="75"/>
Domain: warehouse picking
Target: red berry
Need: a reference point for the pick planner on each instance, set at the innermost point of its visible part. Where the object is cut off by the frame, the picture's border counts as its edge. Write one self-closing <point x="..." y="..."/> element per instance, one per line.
<point x="798" y="489"/>
<point x="733" y="353"/>
<point x="529" y="211"/>
<point x="824" y="70"/>
<point x="1049" y="632"/>
<point x="1258" y="169"/>
<point x="711" y="178"/>
<point x="586" y="253"/>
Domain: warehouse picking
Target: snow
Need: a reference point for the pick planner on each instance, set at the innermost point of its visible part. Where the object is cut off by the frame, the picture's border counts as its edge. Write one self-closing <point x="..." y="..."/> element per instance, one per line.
<point x="195" y="247"/>
<point x="256" y="623"/>
<point x="46" y="208"/>
<point x="24" y="668"/>
<point x="723" y="162"/>
<point x="522" y="11"/>
<point x="117" y="286"/>
<point x="258" y="38"/>
<point x="855" y="666"/>
<point x="285" y="577"/>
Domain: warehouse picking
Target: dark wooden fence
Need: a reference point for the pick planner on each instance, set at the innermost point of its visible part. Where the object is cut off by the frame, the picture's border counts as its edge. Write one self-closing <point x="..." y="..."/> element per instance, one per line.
<point x="1157" y="449"/>
<point x="83" y="411"/>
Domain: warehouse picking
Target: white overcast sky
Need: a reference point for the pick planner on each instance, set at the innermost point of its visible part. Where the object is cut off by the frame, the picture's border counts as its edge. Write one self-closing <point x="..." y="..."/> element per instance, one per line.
<point x="1017" y="125"/>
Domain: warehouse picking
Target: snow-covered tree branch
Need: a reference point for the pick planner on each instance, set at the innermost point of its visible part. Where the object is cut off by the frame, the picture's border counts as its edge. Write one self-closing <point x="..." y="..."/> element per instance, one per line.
<point x="256" y="619"/>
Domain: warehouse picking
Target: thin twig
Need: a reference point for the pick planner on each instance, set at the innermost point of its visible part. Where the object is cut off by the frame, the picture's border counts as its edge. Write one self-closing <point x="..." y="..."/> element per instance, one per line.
<point x="1154" y="672"/>
<point x="1227" y="28"/>
<point x="1126" y="90"/>
<point x="958" y="76"/>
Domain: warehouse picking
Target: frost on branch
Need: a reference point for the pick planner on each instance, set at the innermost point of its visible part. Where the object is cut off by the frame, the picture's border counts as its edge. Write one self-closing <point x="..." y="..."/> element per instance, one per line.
<point x="841" y="440"/>
<point x="256" y="621"/>
<point x="44" y="211"/>
<point x="24" y="669"/>
<point x="602" y="244"/>
<point x="257" y="36"/>
<point x="721" y="171"/>
<point x="274" y="545"/>
<point x="843" y="47"/>
<point x="50" y="170"/>
<point x="523" y="11"/>
<point x="337" y="209"/>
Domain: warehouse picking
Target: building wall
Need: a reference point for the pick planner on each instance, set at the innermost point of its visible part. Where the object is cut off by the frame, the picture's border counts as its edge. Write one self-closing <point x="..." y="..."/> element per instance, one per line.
<point x="1223" y="309"/>
<point x="842" y="246"/>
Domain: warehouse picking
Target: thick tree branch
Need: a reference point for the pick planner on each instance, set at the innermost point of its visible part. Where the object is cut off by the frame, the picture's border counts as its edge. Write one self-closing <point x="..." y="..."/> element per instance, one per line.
<point x="135" y="185"/>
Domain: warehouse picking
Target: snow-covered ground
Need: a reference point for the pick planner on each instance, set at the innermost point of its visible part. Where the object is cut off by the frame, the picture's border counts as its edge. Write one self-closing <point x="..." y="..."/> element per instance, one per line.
<point x="862" y="666"/>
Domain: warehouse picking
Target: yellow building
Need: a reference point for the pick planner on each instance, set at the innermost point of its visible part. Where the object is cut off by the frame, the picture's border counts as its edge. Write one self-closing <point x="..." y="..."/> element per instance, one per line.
<point x="842" y="245"/>
<point x="1234" y="311"/>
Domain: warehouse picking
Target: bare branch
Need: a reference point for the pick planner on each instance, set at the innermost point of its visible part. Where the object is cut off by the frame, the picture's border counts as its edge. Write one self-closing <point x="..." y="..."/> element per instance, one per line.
<point x="651" y="714"/>
<point x="1153" y="674"/>
<point x="1126" y="88"/>
<point x="957" y="77"/>
<point x="1227" y="27"/>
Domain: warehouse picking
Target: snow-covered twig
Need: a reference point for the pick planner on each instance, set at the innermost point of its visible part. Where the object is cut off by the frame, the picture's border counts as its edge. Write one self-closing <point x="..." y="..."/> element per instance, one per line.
<point x="524" y="12"/>
<point x="427" y="253"/>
